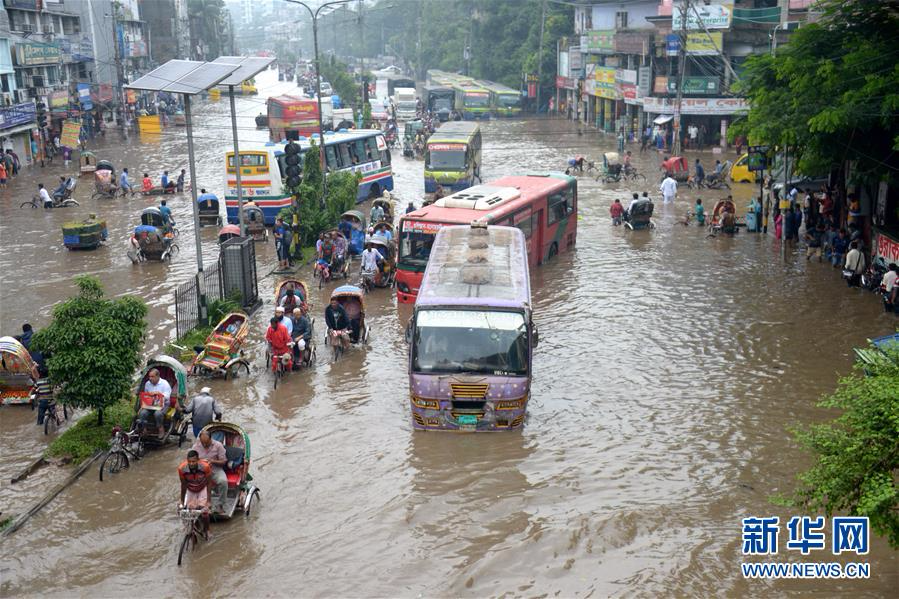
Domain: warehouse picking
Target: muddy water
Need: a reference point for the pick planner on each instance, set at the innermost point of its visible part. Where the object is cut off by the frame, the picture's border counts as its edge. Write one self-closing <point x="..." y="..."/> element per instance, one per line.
<point x="669" y="368"/>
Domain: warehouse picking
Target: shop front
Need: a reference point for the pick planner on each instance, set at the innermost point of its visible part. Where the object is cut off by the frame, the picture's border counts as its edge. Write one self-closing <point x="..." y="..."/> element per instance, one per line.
<point x="16" y="125"/>
<point x="710" y="116"/>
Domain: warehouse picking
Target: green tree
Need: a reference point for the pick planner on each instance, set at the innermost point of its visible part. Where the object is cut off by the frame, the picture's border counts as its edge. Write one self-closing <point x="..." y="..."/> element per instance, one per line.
<point x="832" y="93"/>
<point x="94" y="346"/>
<point x="857" y="453"/>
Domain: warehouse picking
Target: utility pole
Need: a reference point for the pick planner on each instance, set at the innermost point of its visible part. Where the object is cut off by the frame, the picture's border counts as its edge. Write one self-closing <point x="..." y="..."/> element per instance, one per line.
<point x="418" y="69"/>
<point x="540" y="54"/>
<point x="120" y="69"/>
<point x="681" y="66"/>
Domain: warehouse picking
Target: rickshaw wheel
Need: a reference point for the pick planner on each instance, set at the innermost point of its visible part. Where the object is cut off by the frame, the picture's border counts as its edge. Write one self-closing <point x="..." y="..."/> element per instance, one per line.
<point x="253" y="496"/>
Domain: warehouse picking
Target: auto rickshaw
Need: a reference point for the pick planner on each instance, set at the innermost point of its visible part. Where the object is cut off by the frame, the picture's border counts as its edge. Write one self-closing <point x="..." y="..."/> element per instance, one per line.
<point x="208" y="210"/>
<point x="254" y="221"/>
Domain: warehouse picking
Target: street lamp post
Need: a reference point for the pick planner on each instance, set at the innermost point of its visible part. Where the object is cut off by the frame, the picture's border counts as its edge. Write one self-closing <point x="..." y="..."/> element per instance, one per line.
<point x="318" y="79"/>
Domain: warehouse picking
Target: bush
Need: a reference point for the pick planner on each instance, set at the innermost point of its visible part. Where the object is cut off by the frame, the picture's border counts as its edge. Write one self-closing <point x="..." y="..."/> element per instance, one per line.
<point x="86" y="437"/>
<point x="857" y="453"/>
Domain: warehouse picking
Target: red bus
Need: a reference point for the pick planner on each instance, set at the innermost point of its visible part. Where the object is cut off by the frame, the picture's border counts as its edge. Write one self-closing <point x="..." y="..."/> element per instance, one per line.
<point x="290" y="117"/>
<point x="544" y="207"/>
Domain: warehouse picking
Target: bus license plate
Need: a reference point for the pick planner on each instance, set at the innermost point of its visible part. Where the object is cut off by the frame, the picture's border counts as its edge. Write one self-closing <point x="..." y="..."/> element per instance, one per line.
<point x="467" y="420"/>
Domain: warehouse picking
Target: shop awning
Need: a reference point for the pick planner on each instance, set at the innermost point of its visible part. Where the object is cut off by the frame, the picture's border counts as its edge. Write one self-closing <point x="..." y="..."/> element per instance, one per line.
<point x="662" y="119"/>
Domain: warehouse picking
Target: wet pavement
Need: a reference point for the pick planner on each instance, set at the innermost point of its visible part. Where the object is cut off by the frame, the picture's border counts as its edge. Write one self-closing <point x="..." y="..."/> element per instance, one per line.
<point x="670" y="367"/>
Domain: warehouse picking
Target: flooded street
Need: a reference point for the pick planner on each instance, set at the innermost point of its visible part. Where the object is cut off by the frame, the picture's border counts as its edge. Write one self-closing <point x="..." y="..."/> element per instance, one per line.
<point x="671" y="366"/>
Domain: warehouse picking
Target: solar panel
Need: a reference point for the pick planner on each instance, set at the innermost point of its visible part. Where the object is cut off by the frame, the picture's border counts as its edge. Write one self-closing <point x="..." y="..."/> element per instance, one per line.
<point x="183" y="77"/>
<point x="248" y="67"/>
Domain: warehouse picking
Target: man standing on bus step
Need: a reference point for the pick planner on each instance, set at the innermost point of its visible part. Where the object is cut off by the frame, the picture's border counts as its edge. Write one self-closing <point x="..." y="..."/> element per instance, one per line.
<point x="668" y="189"/>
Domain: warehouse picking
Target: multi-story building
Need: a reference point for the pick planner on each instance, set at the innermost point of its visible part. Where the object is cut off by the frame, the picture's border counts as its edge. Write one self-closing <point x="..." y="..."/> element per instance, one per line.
<point x="628" y="54"/>
<point x="17" y="119"/>
<point x="169" y="29"/>
<point x="49" y="48"/>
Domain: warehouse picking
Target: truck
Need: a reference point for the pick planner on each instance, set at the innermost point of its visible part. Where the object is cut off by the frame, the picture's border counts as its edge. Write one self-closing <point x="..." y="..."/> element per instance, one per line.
<point x="404" y="100"/>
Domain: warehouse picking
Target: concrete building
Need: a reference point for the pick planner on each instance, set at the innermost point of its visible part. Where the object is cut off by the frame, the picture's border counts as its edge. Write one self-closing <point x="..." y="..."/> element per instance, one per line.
<point x="620" y="70"/>
<point x="17" y="119"/>
<point x="169" y="29"/>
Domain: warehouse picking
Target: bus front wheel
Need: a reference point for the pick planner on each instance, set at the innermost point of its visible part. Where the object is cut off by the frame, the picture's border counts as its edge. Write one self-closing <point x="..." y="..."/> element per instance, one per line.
<point x="374" y="191"/>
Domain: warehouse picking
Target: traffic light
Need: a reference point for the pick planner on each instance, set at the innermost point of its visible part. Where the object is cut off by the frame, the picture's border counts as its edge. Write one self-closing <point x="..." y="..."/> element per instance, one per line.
<point x="292" y="160"/>
<point x="41" y="114"/>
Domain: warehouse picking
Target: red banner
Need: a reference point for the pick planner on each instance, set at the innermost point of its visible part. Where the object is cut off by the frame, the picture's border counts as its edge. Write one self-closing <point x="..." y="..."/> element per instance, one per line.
<point x="628" y="91"/>
<point x="887" y="248"/>
<point x="532" y="90"/>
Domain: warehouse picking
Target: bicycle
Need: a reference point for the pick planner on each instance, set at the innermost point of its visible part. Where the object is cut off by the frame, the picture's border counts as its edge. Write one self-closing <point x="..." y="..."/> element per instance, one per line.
<point x="280" y="364"/>
<point x="120" y="447"/>
<point x="335" y="340"/>
<point x="631" y="174"/>
<point x="367" y="280"/>
<point x="193" y="530"/>
<point x="52" y="415"/>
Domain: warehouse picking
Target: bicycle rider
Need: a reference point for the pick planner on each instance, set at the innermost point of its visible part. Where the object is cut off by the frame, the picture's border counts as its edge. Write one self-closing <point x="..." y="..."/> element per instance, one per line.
<point x="196" y="486"/>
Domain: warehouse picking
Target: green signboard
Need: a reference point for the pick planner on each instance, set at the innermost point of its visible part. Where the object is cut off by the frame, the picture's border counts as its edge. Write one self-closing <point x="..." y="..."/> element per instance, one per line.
<point x="31" y="54"/>
<point x="695" y="85"/>
<point x="598" y="41"/>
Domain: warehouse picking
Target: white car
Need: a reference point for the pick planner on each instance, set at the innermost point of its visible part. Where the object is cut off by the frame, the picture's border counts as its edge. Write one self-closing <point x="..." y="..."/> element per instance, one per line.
<point x="326" y="89"/>
<point x="378" y="112"/>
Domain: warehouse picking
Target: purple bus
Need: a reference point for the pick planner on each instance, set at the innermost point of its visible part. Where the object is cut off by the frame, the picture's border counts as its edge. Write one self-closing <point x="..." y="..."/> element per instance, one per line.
<point x="471" y="336"/>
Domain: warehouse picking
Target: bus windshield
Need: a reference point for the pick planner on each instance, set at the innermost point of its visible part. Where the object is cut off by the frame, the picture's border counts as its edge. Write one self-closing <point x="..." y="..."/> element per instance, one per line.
<point x="415" y="247"/>
<point x="476" y="100"/>
<point x="446" y="158"/>
<point x="478" y="341"/>
<point x="509" y="101"/>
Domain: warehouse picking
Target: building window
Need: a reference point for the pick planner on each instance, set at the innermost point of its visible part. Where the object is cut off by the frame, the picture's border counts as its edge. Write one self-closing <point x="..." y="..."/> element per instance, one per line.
<point x="52" y="76"/>
<point x="621" y="20"/>
<point x="4" y="83"/>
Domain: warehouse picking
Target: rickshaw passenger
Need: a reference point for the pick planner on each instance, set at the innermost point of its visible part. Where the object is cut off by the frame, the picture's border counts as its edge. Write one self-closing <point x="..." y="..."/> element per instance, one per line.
<point x="290" y="301"/>
<point x="337" y="320"/>
<point x="147" y="183"/>
<point x="376" y="214"/>
<point x="383" y="231"/>
<point x="155" y="400"/>
<point x="354" y="312"/>
<point x="213" y="452"/>
<point x="302" y="334"/>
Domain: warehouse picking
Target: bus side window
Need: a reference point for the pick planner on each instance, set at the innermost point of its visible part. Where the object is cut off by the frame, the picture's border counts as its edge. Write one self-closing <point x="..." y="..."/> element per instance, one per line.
<point x="558" y="208"/>
<point x="359" y="146"/>
<point x="372" y="143"/>
<point x="385" y="158"/>
<point x="526" y="226"/>
<point x="344" y="155"/>
<point x="331" y="158"/>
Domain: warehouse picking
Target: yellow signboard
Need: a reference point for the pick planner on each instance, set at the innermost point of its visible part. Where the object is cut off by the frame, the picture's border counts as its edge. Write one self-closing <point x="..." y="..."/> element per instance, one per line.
<point x="704" y="43"/>
<point x="605" y="75"/>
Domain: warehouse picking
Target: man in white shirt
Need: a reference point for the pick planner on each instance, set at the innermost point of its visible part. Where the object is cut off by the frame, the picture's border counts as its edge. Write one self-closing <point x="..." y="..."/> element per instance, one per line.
<point x="288" y="324"/>
<point x="855" y="264"/>
<point x="890" y="288"/>
<point x="44" y="195"/>
<point x="371" y="258"/>
<point x="668" y="189"/>
<point x="155" y="400"/>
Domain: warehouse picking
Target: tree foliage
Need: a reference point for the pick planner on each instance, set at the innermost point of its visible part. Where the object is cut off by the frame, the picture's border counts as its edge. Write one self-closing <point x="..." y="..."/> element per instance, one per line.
<point x="503" y="35"/>
<point x="94" y="346"/>
<point x="315" y="215"/>
<point x="208" y="18"/>
<point x="832" y="92"/>
<point x="857" y="453"/>
<point x="337" y="74"/>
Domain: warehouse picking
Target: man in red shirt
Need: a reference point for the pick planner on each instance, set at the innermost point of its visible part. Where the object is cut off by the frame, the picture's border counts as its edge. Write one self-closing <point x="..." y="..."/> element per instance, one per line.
<point x="278" y="339"/>
<point x="616" y="210"/>
<point x="196" y="485"/>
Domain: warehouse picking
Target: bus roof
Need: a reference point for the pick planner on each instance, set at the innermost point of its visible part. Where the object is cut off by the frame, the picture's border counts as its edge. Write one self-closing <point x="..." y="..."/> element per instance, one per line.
<point x="454" y="131"/>
<point x="497" y="88"/>
<point x="462" y="271"/>
<point x="331" y="137"/>
<point x="487" y="203"/>
<point x="287" y="99"/>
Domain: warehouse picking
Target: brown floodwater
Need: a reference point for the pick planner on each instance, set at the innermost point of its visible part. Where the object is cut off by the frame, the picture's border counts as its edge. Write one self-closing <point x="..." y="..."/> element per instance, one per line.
<point x="670" y="368"/>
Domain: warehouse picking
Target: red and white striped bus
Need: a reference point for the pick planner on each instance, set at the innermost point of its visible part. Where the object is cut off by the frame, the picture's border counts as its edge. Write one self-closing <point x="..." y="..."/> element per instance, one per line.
<point x="543" y="206"/>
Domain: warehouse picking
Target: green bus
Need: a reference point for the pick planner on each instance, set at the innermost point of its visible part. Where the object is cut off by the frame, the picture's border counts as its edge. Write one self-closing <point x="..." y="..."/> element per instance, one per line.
<point x="453" y="157"/>
<point x="504" y="101"/>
